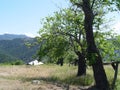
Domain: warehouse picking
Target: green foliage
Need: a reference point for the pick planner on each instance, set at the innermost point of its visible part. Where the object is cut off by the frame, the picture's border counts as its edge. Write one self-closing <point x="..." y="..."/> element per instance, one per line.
<point x="66" y="28"/>
<point x="53" y="46"/>
<point x="62" y="33"/>
<point x="116" y="43"/>
<point x="91" y="57"/>
<point x="108" y="45"/>
<point x="70" y="57"/>
<point x="17" y="62"/>
<point x="4" y="57"/>
<point x="65" y="31"/>
<point x="115" y="3"/>
<point x="104" y="43"/>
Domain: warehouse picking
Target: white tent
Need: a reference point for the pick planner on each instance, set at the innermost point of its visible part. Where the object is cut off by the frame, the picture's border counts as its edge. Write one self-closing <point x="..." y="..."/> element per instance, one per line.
<point x="35" y="62"/>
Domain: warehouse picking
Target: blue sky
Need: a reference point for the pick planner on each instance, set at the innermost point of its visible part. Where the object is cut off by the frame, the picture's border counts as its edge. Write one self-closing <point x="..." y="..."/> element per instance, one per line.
<point x="23" y="16"/>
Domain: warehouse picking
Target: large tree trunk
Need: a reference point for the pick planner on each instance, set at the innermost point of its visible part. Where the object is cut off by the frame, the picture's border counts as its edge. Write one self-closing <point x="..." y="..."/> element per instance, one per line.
<point x="99" y="73"/>
<point x="81" y="65"/>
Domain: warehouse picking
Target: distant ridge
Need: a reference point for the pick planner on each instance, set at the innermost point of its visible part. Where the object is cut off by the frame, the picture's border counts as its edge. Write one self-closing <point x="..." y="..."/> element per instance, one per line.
<point x="12" y="36"/>
<point x="14" y="47"/>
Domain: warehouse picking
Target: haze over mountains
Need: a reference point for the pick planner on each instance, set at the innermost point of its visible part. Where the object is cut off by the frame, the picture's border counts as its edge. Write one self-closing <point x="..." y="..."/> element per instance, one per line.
<point x="13" y="47"/>
<point x="12" y="36"/>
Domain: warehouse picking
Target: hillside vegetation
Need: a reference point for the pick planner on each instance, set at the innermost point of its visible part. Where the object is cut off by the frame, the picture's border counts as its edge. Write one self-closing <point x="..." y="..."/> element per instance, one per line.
<point x="16" y="49"/>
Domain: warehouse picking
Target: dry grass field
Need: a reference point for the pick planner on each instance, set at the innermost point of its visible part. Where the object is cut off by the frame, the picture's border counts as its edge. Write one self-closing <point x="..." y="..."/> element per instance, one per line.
<point x="44" y="77"/>
<point x="30" y="78"/>
<point x="15" y="78"/>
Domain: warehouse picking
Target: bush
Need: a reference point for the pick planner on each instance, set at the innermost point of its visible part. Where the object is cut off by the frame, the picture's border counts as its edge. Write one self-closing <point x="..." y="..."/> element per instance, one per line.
<point x="18" y="62"/>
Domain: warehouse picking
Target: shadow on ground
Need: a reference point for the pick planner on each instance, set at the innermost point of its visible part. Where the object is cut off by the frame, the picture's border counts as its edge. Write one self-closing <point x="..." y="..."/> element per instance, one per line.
<point x="58" y="83"/>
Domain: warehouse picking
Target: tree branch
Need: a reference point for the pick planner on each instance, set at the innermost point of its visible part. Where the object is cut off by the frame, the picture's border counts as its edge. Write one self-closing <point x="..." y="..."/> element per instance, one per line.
<point x="92" y="4"/>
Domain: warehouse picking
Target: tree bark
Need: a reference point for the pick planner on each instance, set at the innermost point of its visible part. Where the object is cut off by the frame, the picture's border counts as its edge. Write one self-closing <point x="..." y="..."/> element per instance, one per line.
<point x="115" y="75"/>
<point x="81" y="64"/>
<point x="99" y="74"/>
<point x="98" y="70"/>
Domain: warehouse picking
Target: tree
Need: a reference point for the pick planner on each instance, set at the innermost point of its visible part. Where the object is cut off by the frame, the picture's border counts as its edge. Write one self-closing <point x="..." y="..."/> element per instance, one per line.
<point x="66" y="23"/>
<point x="93" y="53"/>
<point x="69" y="23"/>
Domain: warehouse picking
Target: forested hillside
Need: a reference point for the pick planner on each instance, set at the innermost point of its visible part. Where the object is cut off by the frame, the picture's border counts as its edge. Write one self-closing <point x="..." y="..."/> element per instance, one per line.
<point x="16" y="49"/>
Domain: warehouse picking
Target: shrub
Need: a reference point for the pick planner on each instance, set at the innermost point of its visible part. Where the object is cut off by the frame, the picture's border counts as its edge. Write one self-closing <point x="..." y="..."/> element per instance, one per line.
<point x="18" y="62"/>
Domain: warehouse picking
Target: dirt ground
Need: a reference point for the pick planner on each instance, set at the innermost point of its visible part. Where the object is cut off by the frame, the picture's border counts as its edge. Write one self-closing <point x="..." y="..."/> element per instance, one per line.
<point x="28" y="78"/>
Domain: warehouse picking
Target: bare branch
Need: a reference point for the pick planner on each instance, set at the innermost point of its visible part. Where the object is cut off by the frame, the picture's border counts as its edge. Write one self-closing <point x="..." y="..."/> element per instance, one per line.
<point x="92" y="4"/>
<point x="71" y="37"/>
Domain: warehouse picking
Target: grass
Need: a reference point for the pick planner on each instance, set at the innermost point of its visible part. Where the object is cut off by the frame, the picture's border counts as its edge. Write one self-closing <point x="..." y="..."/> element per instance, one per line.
<point x="110" y="75"/>
<point x="67" y="75"/>
<point x="118" y="81"/>
<point x="52" y="74"/>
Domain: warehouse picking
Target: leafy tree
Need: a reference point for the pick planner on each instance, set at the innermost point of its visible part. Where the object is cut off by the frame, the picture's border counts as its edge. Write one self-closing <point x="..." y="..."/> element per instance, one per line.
<point x="91" y="9"/>
<point x="68" y="23"/>
<point x="65" y="24"/>
<point x="71" y="26"/>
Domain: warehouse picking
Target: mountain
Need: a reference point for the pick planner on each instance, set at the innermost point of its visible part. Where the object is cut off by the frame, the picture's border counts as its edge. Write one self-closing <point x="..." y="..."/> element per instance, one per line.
<point x="12" y="36"/>
<point x="15" y="48"/>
